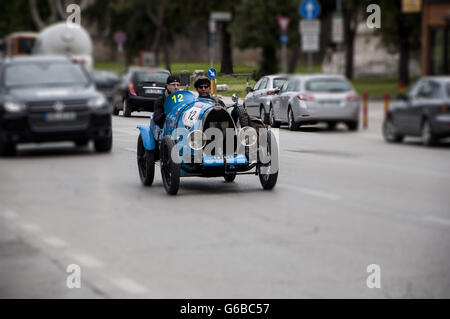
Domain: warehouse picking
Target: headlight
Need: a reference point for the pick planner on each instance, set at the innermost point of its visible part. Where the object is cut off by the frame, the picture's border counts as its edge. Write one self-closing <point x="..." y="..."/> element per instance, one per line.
<point x="196" y="140"/>
<point x="13" y="106"/>
<point x="247" y="136"/>
<point x="97" y="102"/>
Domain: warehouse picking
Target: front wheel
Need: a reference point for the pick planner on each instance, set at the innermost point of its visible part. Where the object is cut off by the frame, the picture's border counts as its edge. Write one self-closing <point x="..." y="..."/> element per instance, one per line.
<point x="263" y="115"/>
<point x="170" y="166"/>
<point x="268" y="161"/>
<point x="104" y="144"/>
<point x="293" y="126"/>
<point x="146" y="163"/>
<point x="428" y="138"/>
<point x="390" y="133"/>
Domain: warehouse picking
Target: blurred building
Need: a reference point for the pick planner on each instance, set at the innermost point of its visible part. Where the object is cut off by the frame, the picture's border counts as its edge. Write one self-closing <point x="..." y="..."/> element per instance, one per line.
<point x="436" y="37"/>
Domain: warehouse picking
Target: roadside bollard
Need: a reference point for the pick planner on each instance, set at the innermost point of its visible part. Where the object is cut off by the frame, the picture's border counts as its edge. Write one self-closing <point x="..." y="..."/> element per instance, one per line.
<point x="213" y="87"/>
<point x="365" y="109"/>
<point x="386" y="103"/>
<point x="401" y="87"/>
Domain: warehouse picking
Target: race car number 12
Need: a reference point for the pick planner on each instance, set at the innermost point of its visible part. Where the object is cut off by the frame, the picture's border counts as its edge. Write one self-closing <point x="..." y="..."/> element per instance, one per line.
<point x="180" y="98"/>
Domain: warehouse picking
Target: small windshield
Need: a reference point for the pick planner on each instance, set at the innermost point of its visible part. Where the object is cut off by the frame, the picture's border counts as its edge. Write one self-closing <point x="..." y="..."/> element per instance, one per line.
<point x="44" y="74"/>
<point x="159" y="77"/>
<point x="328" y="85"/>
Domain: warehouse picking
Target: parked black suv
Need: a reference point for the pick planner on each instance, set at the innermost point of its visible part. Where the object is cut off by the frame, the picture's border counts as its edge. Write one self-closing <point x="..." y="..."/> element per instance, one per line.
<point x="50" y="98"/>
<point x="139" y="89"/>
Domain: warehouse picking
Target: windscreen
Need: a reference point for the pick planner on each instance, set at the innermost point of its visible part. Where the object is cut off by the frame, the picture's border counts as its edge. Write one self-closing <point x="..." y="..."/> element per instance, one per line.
<point x="328" y="85"/>
<point x="44" y="74"/>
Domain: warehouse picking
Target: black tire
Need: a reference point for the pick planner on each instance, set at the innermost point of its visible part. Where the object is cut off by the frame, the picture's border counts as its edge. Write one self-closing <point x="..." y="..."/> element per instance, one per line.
<point x="170" y="169"/>
<point x="81" y="143"/>
<point x="291" y="121"/>
<point x="7" y="149"/>
<point x="104" y="144"/>
<point x="428" y="138"/>
<point x="146" y="163"/>
<point x="268" y="180"/>
<point x="390" y="133"/>
<point x="230" y="177"/>
<point x="115" y="110"/>
<point x="352" y="125"/>
<point x="126" y="108"/>
<point x="331" y="126"/>
<point x="272" y="121"/>
<point x="263" y="115"/>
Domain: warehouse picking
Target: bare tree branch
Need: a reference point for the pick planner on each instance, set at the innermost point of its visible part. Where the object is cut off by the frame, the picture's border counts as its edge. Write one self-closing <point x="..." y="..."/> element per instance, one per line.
<point x="35" y="15"/>
<point x="53" y="16"/>
<point x="61" y="10"/>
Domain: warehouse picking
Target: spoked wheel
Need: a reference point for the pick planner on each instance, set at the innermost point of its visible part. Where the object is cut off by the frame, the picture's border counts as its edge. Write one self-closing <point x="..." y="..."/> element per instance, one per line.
<point x="229" y="178"/>
<point x="170" y="167"/>
<point x="269" y="163"/>
<point x="272" y="121"/>
<point x="146" y="163"/>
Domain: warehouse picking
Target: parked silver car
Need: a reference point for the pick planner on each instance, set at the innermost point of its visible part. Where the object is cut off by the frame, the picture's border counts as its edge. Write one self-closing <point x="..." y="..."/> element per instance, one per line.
<point x="309" y="99"/>
<point x="259" y="99"/>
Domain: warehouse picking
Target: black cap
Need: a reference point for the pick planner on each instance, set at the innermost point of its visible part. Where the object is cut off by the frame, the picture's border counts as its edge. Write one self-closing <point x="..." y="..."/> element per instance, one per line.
<point x="173" y="78"/>
<point x="201" y="81"/>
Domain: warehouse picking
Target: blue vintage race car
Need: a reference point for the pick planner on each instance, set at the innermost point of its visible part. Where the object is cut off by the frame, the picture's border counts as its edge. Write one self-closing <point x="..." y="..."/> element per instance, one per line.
<point x="201" y="138"/>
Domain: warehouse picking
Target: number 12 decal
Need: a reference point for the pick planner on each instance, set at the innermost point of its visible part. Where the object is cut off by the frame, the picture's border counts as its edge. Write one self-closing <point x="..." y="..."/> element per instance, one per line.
<point x="180" y="98"/>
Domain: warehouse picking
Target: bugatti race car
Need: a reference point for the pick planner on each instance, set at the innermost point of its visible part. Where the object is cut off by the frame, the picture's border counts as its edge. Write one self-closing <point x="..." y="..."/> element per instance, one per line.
<point x="201" y="138"/>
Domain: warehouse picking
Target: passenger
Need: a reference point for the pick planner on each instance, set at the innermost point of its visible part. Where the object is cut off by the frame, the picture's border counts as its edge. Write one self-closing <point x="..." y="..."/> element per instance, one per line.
<point x="172" y="85"/>
<point x="203" y="85"/>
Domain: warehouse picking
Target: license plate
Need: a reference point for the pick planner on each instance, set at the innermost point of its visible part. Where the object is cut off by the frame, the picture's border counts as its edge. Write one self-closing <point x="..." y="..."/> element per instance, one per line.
<point x="60" y="116"/>
<point x="330" y="104"/>
<point x="152" y="91"/>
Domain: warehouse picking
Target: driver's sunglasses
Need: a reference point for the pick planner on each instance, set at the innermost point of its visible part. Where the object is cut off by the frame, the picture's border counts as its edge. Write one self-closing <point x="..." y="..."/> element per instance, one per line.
<point x="175" y="84"/>
<point x="204" y="86"/>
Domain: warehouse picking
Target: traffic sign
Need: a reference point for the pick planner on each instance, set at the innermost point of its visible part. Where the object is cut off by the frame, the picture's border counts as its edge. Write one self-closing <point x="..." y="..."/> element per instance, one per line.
<point x="309" y="9"/>
<point x="120" y="37"/>
<point x="283" y="22"/>
<point x="310" y="42"/>
<point x="212" y="73"/>
<point x="337" y="34"/>
<point x="309" y="26"/>
<point x="284" y="38"/>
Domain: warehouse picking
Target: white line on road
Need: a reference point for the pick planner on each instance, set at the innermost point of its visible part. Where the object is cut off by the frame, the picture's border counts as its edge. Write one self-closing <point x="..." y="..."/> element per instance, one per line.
<point x="130" y="149"/>
<point x="55" y="242"/>
<point x="9" y="214"/>
<point x="87" y="260"/>
<point x="129" y="285"/>
<point x="32" y="228"/>
<point x="311" y="192"/>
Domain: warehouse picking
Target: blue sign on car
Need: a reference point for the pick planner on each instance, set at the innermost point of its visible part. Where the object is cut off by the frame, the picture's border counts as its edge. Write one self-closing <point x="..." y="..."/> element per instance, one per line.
<point x="212" y="73"/>
<point x="309" y="9"/>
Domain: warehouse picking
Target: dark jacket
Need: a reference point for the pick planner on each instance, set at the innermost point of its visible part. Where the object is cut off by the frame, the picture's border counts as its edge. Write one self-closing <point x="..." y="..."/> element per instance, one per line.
<point x="159" y="116"/>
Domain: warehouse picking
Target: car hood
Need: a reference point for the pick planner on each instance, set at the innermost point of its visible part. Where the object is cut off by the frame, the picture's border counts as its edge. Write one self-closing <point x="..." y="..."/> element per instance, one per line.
<point x="51" y="94"/>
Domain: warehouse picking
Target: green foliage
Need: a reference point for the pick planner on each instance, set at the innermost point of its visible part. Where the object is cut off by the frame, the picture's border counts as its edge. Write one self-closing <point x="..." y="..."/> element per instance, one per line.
<point x="15" y="16"/>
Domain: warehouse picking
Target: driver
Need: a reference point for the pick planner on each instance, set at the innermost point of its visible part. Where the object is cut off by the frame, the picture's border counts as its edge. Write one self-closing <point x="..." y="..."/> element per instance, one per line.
<point x="172" y="85"/>
<point x="203" y="85"/>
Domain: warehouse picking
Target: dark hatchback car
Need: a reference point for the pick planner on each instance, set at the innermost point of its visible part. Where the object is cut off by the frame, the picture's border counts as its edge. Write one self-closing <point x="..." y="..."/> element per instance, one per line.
<point x="106" y="82"/>
<point x="139" y="89"/>
<point x="424" y="111"/>
<point x="46" y="99"/>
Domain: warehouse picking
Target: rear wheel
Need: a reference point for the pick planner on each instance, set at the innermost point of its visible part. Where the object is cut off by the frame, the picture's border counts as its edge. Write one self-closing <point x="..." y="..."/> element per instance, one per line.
<point x="291" y="120"/>
<point x="7" y="149"/>
<point x="428" y="138"/>
<point x="229" y="178"/>
<point x="146" y="163"/>
<point x="126" y="108"/>
<point x="170" y="167"/>
<point x="390" y="133"/>
<point x="272" y="121"/>
<point x="263" y="115"/>
<point x="353" y="125"/>
<point x="268" y="168"/>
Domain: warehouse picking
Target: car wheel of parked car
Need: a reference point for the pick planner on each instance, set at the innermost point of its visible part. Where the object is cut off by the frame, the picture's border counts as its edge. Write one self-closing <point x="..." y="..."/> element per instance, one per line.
<point x="272" y="121"/>
<point x="103" y="144"/>
<point x="170" y="167"/>
<point x="263" y="115"/>
<point x="229" y="178"/>
<point x="126" y="108"/>
<point x="390" y="132"/>
<point x="291" y="120"/>
<point x="428" y="139"/>
<point x="268" y="171"/>
<point x="146" y="163"/>
<point x="7" y="149"/>
<point x="352" y="125"/>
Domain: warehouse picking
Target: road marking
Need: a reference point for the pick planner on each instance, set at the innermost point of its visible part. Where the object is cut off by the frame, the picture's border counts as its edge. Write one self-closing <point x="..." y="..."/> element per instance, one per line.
<point x="87" y="260"/>
<point x="32" y="228"/>
<point x="55" y="242"/>
<point x="130" y="149"/>
<point x="129" y="285"/>
<point x="9" y="214"/>
<point x="311" y="192"/>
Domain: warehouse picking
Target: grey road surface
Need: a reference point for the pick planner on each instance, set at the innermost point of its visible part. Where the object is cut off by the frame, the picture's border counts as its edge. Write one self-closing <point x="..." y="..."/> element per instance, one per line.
<point x="344" y="201"/>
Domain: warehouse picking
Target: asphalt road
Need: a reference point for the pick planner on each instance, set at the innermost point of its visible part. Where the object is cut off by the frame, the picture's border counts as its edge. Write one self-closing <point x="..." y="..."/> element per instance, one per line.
<point x="343" y="201"/>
